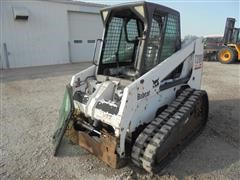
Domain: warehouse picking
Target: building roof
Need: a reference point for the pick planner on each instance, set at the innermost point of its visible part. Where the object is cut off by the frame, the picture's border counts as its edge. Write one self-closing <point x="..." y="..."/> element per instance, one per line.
<point x="76" y="2"/>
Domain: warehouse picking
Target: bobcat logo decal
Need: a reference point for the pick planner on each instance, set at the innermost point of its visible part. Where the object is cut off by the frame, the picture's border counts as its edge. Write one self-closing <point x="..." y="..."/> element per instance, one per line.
<point x="155" y="83"/>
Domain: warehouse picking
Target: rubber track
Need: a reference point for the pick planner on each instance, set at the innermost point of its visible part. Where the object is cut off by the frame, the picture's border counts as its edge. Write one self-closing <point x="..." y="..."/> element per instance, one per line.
<point x="145" y="147"/>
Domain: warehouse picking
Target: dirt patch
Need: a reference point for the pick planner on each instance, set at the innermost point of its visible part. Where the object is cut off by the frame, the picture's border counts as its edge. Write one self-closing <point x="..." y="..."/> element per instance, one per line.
<point x="30" y="99"/>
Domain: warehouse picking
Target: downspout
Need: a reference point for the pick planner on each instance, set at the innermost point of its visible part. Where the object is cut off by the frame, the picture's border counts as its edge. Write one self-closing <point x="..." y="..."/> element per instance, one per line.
<point x="6" y="54"/>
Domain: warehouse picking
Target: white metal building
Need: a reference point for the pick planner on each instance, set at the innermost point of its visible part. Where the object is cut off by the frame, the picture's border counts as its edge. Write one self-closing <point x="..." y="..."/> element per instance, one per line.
<point x="44" y="32"/>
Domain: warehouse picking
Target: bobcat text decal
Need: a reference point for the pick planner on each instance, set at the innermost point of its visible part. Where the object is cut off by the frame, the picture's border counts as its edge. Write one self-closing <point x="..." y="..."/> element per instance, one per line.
<point x="143" y="95"/>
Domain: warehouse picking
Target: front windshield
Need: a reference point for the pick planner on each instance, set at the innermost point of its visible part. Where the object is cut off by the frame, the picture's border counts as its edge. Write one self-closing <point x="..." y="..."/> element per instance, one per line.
<point x="121" y="40"/>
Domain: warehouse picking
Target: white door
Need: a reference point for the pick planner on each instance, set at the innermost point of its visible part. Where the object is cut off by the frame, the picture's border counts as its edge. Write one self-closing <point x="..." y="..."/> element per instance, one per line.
<point x="84" y="29"/>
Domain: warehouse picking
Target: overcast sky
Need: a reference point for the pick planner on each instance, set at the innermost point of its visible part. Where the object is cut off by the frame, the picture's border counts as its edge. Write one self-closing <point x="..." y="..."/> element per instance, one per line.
<point x="200" y="17"/>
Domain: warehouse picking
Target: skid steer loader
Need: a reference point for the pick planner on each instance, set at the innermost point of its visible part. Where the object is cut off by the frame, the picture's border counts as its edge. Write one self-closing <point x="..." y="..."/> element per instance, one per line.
<point x="141" y="100"/>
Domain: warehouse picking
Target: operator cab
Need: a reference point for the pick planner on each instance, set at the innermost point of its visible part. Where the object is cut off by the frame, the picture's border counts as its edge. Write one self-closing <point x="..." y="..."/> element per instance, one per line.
<point x="137" y="37"/>
<point x="231" y="34"/>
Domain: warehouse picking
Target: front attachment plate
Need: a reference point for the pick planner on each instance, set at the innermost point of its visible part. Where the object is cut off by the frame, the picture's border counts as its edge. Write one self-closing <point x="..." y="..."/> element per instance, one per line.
<point x="104" y="148"/>
<point x="65" y="115"/>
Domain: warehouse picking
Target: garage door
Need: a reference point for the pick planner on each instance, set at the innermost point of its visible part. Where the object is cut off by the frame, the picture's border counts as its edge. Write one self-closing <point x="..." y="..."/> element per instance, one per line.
<point x="84" y="29"/>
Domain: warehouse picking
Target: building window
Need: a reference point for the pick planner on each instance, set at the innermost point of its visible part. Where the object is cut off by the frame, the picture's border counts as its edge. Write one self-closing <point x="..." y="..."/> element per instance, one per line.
<point x="91" y="41"/>
<point x="77" y="41"/>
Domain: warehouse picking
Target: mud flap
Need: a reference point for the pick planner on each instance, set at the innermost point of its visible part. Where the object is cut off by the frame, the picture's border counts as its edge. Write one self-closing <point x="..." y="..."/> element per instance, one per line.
<point x="65" y="115"/>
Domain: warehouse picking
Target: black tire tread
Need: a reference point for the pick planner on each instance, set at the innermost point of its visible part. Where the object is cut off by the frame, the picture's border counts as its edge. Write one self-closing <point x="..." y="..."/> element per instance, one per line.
<point x="233" y="54"/>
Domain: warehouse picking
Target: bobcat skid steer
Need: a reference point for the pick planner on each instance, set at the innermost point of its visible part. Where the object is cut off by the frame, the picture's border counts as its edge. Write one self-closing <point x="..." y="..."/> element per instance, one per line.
<point x="141" y="99"/>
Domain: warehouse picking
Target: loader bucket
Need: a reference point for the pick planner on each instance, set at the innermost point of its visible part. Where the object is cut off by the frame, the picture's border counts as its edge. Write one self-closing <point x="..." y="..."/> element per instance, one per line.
<point x="65" y="114"/>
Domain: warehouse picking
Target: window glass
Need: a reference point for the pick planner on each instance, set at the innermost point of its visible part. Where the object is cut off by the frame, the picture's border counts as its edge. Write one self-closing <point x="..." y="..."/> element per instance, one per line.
<point x="118" y="43"/>
<point x="153" y="45"/>
<point x="171" y="37"/>
<point x="126" y="48"/>
<point x="213" y="39"/>
<point x="112" y="40"/>
<point x="132" y="30"/>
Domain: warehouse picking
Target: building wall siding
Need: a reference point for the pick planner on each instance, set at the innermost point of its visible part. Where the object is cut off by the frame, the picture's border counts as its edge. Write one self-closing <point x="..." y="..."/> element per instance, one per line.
<point x="43" y="38"/>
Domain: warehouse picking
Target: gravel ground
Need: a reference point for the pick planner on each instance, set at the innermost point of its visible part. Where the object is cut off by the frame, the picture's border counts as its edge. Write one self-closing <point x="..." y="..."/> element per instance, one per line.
<point x="30" y="99"/>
